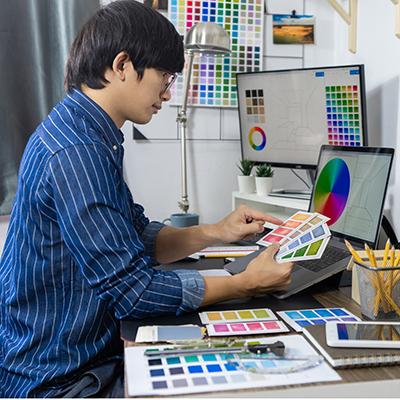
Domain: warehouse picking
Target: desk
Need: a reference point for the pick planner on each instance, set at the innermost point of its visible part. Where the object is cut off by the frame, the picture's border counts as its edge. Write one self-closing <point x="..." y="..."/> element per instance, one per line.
<point x="375" y="382"/>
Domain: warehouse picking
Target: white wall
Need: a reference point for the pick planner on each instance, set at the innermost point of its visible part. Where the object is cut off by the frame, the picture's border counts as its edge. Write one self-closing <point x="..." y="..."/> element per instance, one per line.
<point x="152" y="168"/>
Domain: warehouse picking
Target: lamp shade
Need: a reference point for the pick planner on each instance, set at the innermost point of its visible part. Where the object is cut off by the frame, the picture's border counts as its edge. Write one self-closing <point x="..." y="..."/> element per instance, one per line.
<point x="207" y="38"/>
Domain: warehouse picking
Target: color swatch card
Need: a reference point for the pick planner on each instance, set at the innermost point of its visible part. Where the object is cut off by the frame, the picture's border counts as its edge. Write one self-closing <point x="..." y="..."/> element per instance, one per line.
<point x="242" y="322"/>
<point x="233" y="316"/>
<point x="180" y="374"/>
<point x="299" y="318"/>
<point x="302" y="236"/>
<point x="155" y="333"/>
<point x="247" y="328"/>
<point x="309" y="250"/>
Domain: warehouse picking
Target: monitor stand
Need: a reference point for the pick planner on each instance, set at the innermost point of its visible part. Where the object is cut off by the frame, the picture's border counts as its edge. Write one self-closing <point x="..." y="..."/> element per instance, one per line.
<point x="293" y="194"/>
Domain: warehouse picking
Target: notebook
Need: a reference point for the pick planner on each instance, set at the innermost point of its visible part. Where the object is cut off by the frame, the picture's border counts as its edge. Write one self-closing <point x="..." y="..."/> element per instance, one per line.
<point x="350" y="188"/>
<point x="345" y="357"/>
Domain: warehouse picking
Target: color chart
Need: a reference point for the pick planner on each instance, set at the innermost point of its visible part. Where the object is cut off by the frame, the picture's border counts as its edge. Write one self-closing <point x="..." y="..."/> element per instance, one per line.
<point x="220" y="317"/>
<point x="242" y="322"/>
<point x="213" y="81"/>
<point x="170" y="375"/>
<point x="299" y="318"/>
<point x="332" y="189"/>
<point x="343" y="115"/>
<point x="247" y="328"/>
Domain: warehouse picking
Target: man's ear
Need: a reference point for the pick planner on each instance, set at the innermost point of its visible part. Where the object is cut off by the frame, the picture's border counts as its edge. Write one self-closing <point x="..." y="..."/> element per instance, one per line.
<point x="120" y="64"/>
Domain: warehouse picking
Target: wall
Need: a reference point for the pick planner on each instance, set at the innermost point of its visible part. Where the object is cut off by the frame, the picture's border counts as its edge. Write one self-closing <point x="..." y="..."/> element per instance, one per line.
<point x="379" y="49"/>
<point x="152" y="167"/>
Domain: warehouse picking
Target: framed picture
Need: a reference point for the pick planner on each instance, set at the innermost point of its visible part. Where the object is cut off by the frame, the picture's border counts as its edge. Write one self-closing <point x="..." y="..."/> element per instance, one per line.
<point x="293" y="29"/>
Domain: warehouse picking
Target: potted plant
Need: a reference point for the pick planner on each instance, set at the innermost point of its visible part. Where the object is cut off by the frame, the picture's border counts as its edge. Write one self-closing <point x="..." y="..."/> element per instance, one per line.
<point x="246" y="180"/>
<point x="264" y="179"/>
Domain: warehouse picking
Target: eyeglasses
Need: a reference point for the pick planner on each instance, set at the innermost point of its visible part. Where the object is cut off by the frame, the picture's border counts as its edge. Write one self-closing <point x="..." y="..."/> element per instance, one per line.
<point x="171" y="79"/>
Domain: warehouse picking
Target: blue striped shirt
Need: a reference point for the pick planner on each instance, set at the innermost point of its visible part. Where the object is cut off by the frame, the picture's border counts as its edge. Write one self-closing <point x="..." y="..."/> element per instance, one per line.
<point x="78" y="257"/>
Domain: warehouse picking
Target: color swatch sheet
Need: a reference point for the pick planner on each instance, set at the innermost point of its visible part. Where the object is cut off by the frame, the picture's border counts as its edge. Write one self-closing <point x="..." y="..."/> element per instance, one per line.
<point x="343" y="115"/>
<point x="213" y="81"/>
<point x="199" y="373"/>
<point x="242" y="322"/>
<point x="303" y="236"/>
<point x="299" y="318"/>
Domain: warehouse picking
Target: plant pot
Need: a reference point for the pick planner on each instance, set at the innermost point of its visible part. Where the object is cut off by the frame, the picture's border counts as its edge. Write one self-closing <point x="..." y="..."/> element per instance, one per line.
<point x="264" y="185"/>
<point x="246" y="183"/>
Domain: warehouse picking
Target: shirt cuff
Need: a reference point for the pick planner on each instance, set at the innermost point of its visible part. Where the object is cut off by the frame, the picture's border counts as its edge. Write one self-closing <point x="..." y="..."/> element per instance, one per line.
<point x="192" y="290"/>
<point x="148" y="237"/>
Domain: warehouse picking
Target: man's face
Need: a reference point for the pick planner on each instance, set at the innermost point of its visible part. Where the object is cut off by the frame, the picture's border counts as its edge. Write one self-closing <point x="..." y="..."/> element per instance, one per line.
<point x="143" y="98"/>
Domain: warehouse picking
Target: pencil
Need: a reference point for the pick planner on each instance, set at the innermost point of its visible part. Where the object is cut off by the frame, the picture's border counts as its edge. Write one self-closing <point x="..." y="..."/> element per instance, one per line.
<point x="371" y="255"/>
<point x="386" y="254"/>
<point x="396" y="263"/>
<point x="353" y="252"/>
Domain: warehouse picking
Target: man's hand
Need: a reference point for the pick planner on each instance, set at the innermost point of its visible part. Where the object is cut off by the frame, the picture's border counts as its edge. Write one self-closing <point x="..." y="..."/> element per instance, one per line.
<point x="243" y="223"/>
<point x="262" y="275"/>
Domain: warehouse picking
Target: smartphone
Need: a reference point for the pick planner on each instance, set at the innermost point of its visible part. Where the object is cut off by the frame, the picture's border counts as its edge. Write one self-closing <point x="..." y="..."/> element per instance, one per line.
<point x="363" y="334"/>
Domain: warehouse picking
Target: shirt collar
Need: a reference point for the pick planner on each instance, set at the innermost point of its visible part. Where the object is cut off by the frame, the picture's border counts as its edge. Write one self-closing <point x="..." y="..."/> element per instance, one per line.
<point x="99" y="118"/>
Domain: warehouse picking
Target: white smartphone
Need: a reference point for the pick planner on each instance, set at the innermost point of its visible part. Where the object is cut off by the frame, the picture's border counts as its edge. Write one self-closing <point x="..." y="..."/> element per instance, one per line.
<point x="363" y="334"/>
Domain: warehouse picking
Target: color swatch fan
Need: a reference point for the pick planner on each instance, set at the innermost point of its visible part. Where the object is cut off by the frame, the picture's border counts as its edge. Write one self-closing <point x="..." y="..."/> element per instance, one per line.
<point x="304" y="236"/>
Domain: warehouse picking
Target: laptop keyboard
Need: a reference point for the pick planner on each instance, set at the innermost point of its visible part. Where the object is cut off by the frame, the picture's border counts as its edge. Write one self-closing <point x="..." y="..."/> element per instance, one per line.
<point x="330" y="256"/>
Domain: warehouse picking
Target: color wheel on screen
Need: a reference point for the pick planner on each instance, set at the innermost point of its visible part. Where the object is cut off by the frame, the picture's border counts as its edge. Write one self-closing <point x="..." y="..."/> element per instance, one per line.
<point x="261" y="135"/>
<point x="332" y="190"/>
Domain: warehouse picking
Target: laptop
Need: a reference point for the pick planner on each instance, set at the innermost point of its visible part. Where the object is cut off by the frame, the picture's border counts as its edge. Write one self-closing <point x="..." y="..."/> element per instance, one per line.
<point x="350" y="188"/>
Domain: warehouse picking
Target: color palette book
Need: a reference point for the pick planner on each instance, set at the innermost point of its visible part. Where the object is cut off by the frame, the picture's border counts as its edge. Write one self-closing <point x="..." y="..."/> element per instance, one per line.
<point x="246" y="328"/>
<point x="299" y="318"/>
<point x="302" y="236"/>
<point x="213" y="82"/>
<point x="181" y="374"/>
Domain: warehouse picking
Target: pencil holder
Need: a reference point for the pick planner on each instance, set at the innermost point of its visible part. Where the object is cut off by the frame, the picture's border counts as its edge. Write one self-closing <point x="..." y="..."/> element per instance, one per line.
<point x="379" y="290"/>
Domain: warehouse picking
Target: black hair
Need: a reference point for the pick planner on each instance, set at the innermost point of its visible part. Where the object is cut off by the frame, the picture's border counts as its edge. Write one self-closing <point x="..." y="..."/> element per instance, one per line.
<point x="149" y="38"/>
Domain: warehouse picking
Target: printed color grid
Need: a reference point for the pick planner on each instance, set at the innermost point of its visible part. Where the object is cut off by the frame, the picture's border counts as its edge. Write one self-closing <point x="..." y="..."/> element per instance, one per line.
<point x="343" y="115"/>
<point x="213" y="81"/>
<point x="196" y="373"/>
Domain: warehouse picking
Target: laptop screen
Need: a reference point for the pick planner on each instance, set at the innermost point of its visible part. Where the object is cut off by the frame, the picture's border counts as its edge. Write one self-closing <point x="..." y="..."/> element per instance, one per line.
<point x="350" y="188"/>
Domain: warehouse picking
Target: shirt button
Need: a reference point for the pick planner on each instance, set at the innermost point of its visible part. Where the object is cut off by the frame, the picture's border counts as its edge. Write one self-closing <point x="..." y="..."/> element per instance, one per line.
<point x="115" y="147"/>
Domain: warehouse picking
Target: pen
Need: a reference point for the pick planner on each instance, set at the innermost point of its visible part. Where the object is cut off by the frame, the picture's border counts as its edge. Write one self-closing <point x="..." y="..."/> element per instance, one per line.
<point x="223" y="255"/>
<point x="353" y="252"/>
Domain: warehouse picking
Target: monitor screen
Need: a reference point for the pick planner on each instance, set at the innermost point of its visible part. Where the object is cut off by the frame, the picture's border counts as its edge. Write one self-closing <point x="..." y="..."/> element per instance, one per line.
<point x="350" y="188"/>
<point x="285" y="116"/>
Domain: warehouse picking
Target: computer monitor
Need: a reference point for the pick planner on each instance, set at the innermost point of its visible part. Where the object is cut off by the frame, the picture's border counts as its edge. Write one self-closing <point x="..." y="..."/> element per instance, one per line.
<point x="285" y="116"/>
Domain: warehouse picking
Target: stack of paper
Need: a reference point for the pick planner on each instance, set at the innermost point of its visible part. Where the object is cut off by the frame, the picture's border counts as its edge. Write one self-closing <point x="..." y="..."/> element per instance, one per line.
<point x="303" y="236"/>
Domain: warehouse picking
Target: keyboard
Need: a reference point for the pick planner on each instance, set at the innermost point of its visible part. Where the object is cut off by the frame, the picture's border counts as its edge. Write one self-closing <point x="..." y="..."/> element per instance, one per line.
<point x="255" y="239"/>
<point x="330" y="256"/>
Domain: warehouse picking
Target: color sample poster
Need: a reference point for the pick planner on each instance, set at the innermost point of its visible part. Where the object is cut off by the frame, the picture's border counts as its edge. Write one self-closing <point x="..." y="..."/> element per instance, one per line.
<point x="213" y="81"/>
<point x="181" y="374"/>
<point x="293" y="29"/>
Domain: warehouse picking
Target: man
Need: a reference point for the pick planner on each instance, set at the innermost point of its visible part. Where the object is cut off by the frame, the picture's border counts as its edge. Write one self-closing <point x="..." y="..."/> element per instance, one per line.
<point x="80" y="254"/>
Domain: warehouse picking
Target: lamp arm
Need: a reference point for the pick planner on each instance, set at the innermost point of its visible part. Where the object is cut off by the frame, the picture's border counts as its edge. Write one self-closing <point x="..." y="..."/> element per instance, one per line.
<point x="182" y="118"/>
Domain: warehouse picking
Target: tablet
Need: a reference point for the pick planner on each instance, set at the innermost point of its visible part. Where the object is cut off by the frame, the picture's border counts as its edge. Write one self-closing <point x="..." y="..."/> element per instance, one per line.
<point x="363" y="334"/>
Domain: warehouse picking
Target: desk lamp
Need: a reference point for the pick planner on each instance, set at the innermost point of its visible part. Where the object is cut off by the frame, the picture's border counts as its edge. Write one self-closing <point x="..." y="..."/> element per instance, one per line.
<point x="206" y="38"/>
